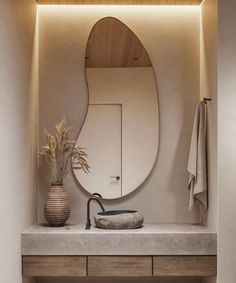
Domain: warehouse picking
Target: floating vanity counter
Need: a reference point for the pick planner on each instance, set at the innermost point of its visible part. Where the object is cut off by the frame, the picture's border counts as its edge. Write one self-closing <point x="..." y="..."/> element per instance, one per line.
<point x="154" y="250"/>
<point x="152" y="239"/>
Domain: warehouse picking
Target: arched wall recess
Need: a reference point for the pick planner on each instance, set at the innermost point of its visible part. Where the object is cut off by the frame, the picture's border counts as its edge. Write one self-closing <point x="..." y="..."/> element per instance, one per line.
<point x="121" y="130"/>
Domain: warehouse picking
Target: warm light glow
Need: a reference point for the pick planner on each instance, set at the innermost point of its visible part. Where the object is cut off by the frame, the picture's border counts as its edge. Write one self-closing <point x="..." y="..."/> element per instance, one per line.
<point x="119" y="8"/>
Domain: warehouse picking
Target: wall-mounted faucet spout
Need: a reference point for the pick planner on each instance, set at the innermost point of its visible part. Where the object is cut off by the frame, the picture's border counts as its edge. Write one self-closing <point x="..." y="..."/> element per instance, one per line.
<point x="88" y="223"/>
<point x="97" y="194"/>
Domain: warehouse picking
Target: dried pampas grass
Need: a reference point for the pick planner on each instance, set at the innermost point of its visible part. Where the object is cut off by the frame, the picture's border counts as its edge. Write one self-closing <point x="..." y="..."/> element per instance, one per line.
<point x="60" y="152"/>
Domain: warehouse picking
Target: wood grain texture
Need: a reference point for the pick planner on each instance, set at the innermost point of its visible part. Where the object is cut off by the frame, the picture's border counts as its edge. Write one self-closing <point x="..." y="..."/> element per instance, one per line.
<point x="54" y="266"/>
<point x="112" y="44"/>
<point x="203" y="266"/>
<point x="122" y="2"/>
<point x="127" y="266"/>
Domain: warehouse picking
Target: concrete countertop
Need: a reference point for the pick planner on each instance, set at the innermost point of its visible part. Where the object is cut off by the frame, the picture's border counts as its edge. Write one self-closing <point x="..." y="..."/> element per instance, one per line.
<point x="151" y="239"/>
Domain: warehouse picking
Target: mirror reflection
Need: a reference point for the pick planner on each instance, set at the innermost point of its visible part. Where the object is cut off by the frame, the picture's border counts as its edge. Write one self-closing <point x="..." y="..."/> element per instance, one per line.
<point x="122" y="125"/>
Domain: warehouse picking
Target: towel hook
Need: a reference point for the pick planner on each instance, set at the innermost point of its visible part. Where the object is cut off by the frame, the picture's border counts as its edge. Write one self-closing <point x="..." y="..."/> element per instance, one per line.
<point x="205" y="99"/>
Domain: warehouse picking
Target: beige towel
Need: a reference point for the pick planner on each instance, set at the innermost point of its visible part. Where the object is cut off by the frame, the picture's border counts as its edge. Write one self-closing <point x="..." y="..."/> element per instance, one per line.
<point x="197" y="163"/>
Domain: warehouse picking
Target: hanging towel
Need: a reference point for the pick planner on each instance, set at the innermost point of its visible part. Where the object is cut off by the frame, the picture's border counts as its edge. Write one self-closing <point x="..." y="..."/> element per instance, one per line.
<point x="197" y="163"/>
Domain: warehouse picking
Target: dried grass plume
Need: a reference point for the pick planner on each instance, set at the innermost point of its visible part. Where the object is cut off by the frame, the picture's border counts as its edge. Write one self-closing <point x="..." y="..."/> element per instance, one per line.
<point x="60" y="152"/>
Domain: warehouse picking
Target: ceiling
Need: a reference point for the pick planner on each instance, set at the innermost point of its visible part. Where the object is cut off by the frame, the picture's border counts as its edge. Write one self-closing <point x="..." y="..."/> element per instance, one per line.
<point x="122" y="2"/>
<point x="112" y="44"/>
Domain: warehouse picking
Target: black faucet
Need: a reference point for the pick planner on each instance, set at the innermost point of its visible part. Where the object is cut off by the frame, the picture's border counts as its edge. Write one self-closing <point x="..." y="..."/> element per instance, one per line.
<point x="97" y="194"/>
<point x="94" y="197"/>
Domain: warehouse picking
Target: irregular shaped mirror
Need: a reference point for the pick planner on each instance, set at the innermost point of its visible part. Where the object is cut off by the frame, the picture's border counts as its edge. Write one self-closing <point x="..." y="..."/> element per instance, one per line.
<point x="121" y="129"/>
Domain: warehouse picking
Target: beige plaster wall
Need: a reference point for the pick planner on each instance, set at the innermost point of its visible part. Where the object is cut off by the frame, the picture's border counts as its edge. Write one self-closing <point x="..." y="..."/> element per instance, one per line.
<point x="208" y="88"/>
<point x="136" y="144"/>
<point x="227" y="141"/>
<point x="171" y="37"/>
<point x="18" y="94"/>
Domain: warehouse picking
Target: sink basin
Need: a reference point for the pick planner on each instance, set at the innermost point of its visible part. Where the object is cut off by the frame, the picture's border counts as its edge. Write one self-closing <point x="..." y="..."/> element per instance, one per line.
<point x="118" y="219"/>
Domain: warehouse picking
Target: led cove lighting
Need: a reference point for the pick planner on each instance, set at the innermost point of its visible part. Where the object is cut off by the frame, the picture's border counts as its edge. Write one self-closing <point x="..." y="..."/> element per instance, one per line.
<point x="119" y="7"/>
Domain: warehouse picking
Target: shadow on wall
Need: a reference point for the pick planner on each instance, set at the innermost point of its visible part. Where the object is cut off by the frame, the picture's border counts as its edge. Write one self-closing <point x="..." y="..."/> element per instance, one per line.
<point x="185" y="112"/>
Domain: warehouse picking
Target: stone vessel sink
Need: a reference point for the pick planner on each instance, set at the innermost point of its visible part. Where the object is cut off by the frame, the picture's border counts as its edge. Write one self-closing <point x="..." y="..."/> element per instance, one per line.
<point x="119" y="219"/>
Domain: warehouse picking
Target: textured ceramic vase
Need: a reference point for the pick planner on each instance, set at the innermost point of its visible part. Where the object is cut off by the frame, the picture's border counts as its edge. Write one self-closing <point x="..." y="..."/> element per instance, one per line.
<point x="57" y="206"/>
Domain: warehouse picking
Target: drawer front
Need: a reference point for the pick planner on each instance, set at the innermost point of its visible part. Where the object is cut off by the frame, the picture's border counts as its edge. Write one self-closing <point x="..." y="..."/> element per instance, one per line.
<point x="54" y="266"/>
<point x="203" y="266"/>
<point x="128" y="266"/>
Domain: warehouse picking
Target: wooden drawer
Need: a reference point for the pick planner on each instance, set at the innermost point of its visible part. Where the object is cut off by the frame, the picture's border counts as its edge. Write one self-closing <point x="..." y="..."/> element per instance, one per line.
<point x="127" y="266"/>
<point x="203" y="266"/>
<point x="54" y="266"/>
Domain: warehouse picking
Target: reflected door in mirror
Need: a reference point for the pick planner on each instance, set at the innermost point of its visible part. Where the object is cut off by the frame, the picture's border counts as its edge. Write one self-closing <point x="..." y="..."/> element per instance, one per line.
<point x="121" y="130"/>
<point x="101" y="134"/>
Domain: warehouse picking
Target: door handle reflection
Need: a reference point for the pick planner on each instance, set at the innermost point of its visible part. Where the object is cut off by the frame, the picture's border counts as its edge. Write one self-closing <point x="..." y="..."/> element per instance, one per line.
<point x="115" y="177"/>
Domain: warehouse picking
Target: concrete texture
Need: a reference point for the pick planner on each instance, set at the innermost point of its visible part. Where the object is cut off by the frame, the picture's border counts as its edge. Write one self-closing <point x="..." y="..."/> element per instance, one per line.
<point x="152" y="239"/>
